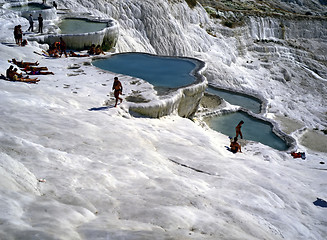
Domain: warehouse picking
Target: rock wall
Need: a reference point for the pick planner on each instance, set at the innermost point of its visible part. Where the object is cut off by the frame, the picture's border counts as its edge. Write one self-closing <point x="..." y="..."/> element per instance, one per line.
<point x="287" y="28"/>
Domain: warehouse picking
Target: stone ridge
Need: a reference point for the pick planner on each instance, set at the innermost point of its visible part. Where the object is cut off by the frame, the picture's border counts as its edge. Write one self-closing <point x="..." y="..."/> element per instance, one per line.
<point x="271" y="7"/>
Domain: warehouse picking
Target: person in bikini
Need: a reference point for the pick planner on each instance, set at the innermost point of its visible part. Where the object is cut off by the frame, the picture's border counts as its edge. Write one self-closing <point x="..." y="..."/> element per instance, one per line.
<point x="72" y="54"/>
<point x="118" y="89"/>
<point x="38" y="72"/>
<point x="235" y="146"/>
<point x="29" y="68"/>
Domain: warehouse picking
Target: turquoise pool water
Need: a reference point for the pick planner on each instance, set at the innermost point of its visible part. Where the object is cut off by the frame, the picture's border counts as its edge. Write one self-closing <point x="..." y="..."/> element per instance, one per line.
<point x="29" y="7"/>
<point x="247" y="102"/>
<point x="164" y="72"/>
<point x="76" y="26"/>
<point x="252" y="129"/>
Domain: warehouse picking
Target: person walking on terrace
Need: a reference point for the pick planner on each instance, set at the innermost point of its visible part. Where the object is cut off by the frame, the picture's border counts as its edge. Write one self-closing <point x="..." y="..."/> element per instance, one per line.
<point x="118" y="89"/>
<point x="30" y="20"/>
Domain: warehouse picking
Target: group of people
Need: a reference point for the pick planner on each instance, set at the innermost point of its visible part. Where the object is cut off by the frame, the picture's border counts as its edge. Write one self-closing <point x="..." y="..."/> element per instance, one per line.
<point x="18" y="32"/>
<point x="30" y="68"/>
<point x="57" y="49"/>
<point x="95" y="50"/>
<point x="31" y="22"/>
<point x="18" y="35"/>
<point x="13" y="75"/>
<point x="234" y="145"/>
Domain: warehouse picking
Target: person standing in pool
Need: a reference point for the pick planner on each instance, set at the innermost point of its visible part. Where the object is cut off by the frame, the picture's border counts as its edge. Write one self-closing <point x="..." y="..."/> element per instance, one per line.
<point x="40" y="20"/>
<point x="118" y="89"/>
<point x="238" y="129"/>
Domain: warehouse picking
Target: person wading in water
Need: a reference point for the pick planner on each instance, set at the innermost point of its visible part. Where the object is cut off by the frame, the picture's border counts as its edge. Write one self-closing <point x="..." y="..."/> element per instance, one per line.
<point x="238" y="129"/>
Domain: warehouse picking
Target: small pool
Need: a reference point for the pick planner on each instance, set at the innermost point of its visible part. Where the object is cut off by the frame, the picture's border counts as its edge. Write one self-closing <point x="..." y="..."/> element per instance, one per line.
<point x="167" y="72"/>
<point x="247" y="102"/>
<point x="76" y="26"/>
<point x="29" y="7"/>
<point x="252" y="129"/>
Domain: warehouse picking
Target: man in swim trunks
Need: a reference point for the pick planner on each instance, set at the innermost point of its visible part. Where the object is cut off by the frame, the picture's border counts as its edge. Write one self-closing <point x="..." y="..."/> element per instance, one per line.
<point x="235" y="146"/>
<point x="23" y="64"/>
<point x="238" y="129"/>
<point x="118" y="89"/>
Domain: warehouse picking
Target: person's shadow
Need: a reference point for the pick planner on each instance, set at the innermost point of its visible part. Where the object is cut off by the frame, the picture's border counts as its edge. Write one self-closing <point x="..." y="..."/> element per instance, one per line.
<point x="320" y="202"/>
<point x="100" y="108"/>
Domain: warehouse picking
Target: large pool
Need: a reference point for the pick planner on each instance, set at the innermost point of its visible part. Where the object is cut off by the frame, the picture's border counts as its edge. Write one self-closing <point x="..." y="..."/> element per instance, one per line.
<point x="247" y="102"/>
<point x="29" y="7"/>
<point x="77" y="26"/>
<point x="167" y="72"/>
<point x="252" y="129"/>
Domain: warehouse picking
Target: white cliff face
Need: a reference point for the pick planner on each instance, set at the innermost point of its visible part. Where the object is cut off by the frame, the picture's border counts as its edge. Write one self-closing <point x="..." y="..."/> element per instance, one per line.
<point x="113" y="176"/>
<point x="297" y="28"/>
<point x="315" y="7"/>
<point x="157" y="26"/>
<point x="260" y="57"/>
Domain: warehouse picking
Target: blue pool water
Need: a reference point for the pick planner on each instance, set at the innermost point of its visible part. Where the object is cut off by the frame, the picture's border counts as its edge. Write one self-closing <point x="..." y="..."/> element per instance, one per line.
<point x="165" y="72"/>
<point x="252" y="129"/>
<point x="247" y="102"/>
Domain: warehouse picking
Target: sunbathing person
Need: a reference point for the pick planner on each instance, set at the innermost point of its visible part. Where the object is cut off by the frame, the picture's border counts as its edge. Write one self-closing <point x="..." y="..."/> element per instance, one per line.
<point x="38" y="72"/>
<point x="29" y="68"/>
<point x="23" y="64"/>
<point x="13" y="74"/>
<point x="72" y="54"/>
<point x="9" y="71"/>
<point x="26" y="79"/>
<point x="24" y="43"/>
<point x="92" y="49"/>
<point x="52" y="52"/>
<point x="98" y="50"/>
<point x="235" y="146"/>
